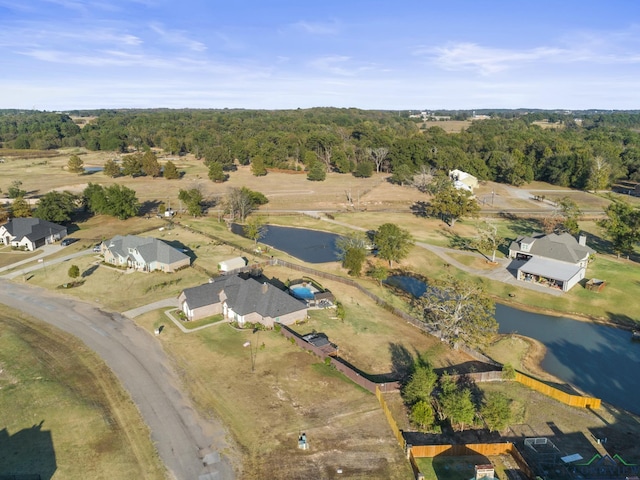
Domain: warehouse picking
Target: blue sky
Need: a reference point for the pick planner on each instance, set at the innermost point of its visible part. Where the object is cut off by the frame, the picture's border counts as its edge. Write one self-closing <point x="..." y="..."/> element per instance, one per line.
<point x="396" y="54"/>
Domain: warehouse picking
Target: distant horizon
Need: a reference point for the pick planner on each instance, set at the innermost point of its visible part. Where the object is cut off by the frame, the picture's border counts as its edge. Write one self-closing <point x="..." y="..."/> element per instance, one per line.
<point x="404" y="110"/>
<point x="283" y="55"/>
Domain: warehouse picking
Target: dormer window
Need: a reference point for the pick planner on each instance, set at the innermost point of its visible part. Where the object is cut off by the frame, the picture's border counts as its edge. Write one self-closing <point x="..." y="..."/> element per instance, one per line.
<point x="525" y="247"/>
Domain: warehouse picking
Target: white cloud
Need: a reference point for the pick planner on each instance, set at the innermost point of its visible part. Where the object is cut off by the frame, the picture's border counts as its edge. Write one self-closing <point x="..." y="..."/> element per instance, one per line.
<point x="470" y="56"/>
<point x="317" y="28"/>
<point x="340" y="65"/>
<point x="178" y="38"/>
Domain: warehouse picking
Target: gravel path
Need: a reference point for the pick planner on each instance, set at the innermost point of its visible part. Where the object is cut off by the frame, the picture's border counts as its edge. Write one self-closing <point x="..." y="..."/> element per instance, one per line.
<point x="189" y="445"/>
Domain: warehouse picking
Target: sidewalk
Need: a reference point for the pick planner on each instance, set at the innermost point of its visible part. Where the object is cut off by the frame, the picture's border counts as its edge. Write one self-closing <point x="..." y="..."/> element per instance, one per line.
<point x="47" y="250"/>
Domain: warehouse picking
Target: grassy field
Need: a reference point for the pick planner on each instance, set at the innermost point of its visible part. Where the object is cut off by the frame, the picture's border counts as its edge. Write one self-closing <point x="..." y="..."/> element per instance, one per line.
<point x="290" y="391"/>
<point x="287" y="393"/>
<point x="64" y="413"/>
<point x="460" y="468"/>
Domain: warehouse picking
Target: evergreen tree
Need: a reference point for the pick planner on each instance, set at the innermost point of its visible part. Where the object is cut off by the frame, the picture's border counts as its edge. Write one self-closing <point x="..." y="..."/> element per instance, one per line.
<point x="150" y="165"/>
<point x="317" y="172"/>
<point x="422" y="414"/>
<point x="74" y="271"/>
<point x="112" y="169"/>
<point x="496" y="411"/>
<point x="257" y="166"/>
<point x="364" y="170"/>
<point x="216" y="172"/>
<point x="170" y="171"/>
<point x="75" y="164"/>
<point x="132" y="165"/>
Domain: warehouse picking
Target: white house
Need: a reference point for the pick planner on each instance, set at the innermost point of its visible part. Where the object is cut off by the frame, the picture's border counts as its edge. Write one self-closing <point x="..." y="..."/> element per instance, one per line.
<point x="557" y="261"/>
<point x="463" y="180"/>
<point x="30" y="233"/>
<point x="143" y="253"/>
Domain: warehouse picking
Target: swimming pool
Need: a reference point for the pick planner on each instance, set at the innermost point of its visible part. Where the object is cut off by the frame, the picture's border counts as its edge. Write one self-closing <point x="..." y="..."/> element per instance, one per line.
<point x="303" y="293"/>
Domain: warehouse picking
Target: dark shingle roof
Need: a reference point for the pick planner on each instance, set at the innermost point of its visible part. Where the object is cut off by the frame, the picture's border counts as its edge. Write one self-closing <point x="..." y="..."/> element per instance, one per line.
<point x="244" y="297"/>
<point x="563" y="247"/>
<point x="32" y="228"/>
<point x="262" y="298"/>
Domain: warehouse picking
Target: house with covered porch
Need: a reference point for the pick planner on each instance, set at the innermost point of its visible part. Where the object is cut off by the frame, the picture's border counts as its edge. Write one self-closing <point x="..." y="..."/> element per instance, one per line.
<point x="555" y="260"/>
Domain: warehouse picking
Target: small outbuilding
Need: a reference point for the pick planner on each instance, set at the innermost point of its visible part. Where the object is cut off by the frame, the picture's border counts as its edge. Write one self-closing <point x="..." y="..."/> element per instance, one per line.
<point x="595" y="285"/>
<point x="232" y="264"/>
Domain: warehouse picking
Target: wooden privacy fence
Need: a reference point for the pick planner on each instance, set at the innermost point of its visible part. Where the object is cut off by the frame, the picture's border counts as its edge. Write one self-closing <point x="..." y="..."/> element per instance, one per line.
<point x="506" y="448"/>
<point x="431" y="451"/>
<point x="346" y="370"/>
<point x="392" y="422"/>
<point x="573" y="400"/>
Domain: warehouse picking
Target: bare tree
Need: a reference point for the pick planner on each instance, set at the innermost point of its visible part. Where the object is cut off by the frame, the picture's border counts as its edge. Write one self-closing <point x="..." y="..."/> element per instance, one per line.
<point x="423" y="178"/>
<point x="324" y="154"/>
<point x="379" y="155"/>
<point x="488" y="238"/>
<point x="238" y="204"/>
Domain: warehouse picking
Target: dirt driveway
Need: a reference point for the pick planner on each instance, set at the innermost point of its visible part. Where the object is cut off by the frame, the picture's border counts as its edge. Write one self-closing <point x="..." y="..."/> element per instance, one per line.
<point x="189" y="445"/>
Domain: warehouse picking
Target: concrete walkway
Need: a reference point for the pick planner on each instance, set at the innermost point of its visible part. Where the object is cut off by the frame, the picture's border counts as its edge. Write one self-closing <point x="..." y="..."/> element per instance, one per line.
<point x="47" y="251"/>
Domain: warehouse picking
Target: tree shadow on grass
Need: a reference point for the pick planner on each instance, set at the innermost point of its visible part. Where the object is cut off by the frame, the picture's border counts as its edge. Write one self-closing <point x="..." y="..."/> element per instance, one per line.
<point x="89" y="271"/>
<point x="27" y="454"/>
<point x="420" y="209"/>
<point x="402" y="361"/>
<point x="148" y="207"/>
<point x="522" y="226"/>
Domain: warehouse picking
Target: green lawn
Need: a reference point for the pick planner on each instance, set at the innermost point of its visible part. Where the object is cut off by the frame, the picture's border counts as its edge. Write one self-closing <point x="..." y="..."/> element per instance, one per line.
<point x="63" y="411"/>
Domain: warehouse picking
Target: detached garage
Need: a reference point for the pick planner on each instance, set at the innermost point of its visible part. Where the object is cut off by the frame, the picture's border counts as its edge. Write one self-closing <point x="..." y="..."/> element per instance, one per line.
<point x="551" y="273"/>
<point x="232" y="264"/>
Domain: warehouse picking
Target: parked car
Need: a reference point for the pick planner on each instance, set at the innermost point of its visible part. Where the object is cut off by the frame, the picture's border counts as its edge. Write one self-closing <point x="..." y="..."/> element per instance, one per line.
<point x="97" y="248"/>
<point x="68" y="241"/>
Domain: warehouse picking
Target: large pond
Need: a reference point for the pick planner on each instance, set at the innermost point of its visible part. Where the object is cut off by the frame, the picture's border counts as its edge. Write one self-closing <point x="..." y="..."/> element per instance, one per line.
<point x="311" y="246"/>
<point x="598" y="359"/>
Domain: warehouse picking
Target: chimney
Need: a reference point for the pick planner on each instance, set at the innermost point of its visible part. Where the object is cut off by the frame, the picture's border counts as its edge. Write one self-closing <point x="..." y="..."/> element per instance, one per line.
<point x="582" y="240"/>
<point x="265" y="287"/>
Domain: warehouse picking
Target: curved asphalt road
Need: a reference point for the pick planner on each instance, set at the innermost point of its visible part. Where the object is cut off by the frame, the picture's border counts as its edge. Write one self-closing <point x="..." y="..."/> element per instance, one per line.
<point x="188" y="445"/>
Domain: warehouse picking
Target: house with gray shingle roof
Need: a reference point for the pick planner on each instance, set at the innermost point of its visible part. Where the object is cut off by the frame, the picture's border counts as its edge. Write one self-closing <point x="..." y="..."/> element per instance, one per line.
<point x="146" y="254"/>
<point x="555" y="260"/>
<point x="243" y="301"/>
<point x="30" y="233"/>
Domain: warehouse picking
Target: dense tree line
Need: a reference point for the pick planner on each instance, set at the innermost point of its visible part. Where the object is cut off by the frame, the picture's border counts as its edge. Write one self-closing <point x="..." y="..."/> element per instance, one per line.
<point x="587" y="150"/>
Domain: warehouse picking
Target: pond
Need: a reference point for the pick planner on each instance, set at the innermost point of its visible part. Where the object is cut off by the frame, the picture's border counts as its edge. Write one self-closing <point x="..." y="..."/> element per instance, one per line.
<point x="600" y="360"/>
<point x="311" y="246"/>
<point x="93" y="169"/>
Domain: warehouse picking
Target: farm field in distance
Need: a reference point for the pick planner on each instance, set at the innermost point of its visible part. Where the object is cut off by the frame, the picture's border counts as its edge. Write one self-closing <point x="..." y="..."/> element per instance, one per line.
<point x="266" y="409"/>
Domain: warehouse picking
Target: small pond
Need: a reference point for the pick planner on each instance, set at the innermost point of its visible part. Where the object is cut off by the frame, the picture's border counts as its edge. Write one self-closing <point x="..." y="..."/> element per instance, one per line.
<point x="93" y="169"/>
<point x="311" y="246"/>
<point x="584" y="354"/>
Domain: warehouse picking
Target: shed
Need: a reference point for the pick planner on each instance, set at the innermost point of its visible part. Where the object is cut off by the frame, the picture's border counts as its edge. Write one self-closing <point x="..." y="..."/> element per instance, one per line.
<point x="595" y="285"/>
<point x="232" y="264"/>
